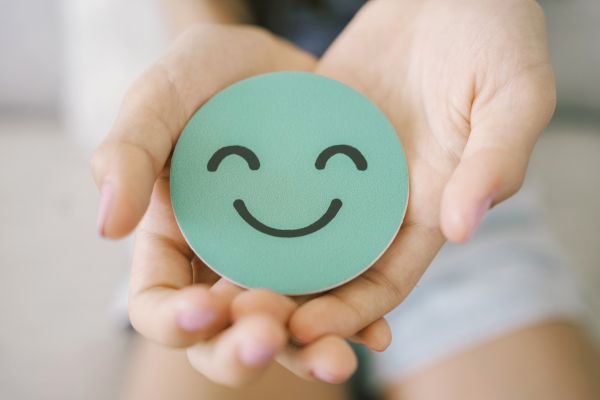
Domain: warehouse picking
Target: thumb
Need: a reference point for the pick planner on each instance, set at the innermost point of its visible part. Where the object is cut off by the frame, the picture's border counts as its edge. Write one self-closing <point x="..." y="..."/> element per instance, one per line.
<point x="504" y="128"/>
<point x="200" y="63"/>
<point x="480" y="181"/>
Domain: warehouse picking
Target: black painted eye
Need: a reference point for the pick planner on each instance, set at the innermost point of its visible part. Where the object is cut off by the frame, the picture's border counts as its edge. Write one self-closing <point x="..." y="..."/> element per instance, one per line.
<point x="352" y="152"/>
<point x="241" y="151"/>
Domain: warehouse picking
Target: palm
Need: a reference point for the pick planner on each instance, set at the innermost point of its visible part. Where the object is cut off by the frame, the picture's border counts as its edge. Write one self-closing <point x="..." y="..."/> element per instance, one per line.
<point x="230" y="334"/>
<point x="468" y="89"/>
<point x="427" y="72"/>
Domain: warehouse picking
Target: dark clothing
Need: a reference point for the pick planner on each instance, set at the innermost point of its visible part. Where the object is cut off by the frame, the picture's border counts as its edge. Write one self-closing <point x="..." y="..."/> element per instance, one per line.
<point x="310" y="24"/>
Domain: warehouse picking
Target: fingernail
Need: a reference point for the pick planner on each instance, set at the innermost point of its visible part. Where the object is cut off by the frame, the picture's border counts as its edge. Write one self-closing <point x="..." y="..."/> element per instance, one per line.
<point x="106" y="196"/>
<point x="484" y="206"/>
<point x="324" y="376"/>
<point x="193" y="320"/>
<point x="255" y="356"/>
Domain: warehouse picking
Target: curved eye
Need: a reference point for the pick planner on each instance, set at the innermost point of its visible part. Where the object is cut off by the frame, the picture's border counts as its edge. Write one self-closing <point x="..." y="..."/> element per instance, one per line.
<point x="352" y="152"/>
<point x="241" y="151"/>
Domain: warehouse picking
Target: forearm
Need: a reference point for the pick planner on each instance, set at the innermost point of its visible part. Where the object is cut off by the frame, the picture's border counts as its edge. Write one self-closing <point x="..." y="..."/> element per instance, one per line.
<point x="183" y="13"/>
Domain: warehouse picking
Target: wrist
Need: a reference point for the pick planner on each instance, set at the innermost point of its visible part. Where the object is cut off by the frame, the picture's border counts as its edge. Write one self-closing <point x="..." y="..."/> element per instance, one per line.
<point x="182" y="14"/>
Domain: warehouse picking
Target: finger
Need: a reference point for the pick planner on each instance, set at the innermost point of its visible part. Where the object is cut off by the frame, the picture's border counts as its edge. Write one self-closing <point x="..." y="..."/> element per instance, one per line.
<point x="329" y="359"/>
<point x="505" y="124"/>
<point x="226" y="290"/>
<point x="242" y="352"/>
<point x="377" y="336"/>
<point x="202" y="274"/>
<point x="162" y="304"/>
<point x="350" y="308"/>
<point x="262" y="301"/>
<point x="160" y="103"/>
<point x="178" y="318"/>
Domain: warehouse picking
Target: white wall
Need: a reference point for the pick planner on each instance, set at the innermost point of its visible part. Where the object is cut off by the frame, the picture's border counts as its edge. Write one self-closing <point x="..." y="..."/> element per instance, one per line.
<point x="574" y="35"/>
<point x="108" y="42"/>
<point x="30" y="56"/>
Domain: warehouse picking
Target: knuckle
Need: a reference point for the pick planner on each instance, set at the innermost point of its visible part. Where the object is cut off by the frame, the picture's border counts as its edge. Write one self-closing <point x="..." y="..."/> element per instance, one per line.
<point x="392" y="293"/>
<point x="164" y="334"/>
<point x="515" y="184"/>
<point x="98" y="160"/>
<point x="306" y="323"/>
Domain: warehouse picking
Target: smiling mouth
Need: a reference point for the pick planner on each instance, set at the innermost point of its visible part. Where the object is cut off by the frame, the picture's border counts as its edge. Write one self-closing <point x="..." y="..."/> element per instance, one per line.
<point x="330" y="214"/>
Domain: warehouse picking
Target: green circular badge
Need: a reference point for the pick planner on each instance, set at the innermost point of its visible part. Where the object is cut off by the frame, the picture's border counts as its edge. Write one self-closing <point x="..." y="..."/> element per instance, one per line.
<point x="289" y="181"/>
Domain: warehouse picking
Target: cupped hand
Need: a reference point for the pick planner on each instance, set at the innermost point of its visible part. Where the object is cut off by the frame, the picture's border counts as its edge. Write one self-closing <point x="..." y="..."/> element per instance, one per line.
<point x="469" y="87"/>
<point x="231" y="335"/>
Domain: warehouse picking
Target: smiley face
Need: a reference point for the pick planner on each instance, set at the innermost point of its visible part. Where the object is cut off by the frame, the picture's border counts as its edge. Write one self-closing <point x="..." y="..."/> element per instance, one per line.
<point x="289" y="181"/>
<point x="254" y="164"/>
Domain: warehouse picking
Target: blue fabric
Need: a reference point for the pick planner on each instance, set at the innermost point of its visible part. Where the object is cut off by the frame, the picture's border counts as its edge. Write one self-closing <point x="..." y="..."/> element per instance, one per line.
<point x="308" y="25"/>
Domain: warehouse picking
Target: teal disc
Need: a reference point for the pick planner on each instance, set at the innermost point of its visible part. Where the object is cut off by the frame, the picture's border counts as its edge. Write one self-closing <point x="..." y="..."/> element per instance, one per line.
<point x="289" y="181"/>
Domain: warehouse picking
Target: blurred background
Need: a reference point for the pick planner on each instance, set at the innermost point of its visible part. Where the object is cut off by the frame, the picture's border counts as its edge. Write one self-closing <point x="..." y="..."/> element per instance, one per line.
<point x="64" y="66"/>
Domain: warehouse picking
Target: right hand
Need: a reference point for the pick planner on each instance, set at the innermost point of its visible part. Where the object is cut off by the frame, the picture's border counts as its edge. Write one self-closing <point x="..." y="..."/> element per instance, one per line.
<point x="231" y="334"/>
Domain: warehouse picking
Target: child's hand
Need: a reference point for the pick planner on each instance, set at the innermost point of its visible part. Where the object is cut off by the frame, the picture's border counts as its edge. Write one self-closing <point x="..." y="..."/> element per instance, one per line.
<point x="469" y="88"/>
<point x="231" y="334"/>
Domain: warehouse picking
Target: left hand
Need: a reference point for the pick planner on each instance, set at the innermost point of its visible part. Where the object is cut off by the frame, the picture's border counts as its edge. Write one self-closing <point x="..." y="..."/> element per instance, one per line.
<point x="469" y="87"/>
<point x="231" y="335"/>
